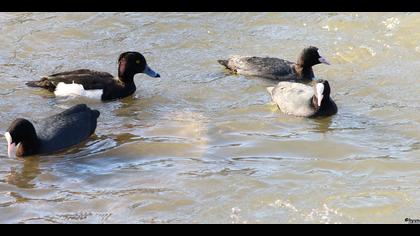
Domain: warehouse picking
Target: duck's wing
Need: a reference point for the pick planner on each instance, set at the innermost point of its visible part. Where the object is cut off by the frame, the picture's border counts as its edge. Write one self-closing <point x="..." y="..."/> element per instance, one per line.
<point x="66" y="129"/>
<point x="293" y="98"/>
<point x="74" y="72"/>
<point x="269" y="67"/>
<point x="89" y="79"/>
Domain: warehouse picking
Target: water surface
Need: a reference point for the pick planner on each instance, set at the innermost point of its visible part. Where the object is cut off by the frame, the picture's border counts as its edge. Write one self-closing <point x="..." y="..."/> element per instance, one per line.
<point x="199" y="145"/>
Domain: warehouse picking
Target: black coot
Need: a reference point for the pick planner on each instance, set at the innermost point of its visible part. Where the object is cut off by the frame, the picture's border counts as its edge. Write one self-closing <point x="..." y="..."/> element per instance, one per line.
<point x="53" y="133"/>
<point x="304" y="100"/>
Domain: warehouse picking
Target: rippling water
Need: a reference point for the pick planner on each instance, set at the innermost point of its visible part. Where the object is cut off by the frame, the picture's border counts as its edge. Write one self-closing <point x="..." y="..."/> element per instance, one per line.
<point x="199" y="145"/>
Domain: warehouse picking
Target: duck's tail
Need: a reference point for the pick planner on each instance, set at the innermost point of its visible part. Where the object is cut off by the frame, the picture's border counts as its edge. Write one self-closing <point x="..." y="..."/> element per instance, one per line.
<point x="94" y="117"/>
<point x="43" y="83"/>
<point x="96" y="113"/>
<point x="223" y="63"/>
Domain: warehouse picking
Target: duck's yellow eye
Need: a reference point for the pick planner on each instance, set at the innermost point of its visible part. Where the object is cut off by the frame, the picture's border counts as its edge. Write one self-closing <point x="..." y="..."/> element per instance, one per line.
<point x="138" y="61"/>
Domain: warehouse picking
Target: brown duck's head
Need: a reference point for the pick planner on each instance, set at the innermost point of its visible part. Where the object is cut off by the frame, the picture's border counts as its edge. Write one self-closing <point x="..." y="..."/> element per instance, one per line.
<point x="310" y="57"/>
<point x="132" y="63"/>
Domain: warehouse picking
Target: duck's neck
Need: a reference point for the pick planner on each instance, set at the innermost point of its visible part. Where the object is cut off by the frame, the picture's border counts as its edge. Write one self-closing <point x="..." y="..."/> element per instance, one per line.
<point x="304" y="72"/>
<point x="125" y="72"/>
<point x="126" y="77"/>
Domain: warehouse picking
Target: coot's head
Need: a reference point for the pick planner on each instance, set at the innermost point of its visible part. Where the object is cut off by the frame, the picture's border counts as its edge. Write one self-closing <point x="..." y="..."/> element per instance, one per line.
<point x="322" y="91"/>
<point x="131" y="63"/>
<point x="310" y="57"/>
<point x="21" y="138"/>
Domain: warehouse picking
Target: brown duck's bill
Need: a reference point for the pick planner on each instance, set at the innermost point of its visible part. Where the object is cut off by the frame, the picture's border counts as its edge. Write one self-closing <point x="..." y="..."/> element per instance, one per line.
<point x="323" y="60"/>
<point x="148" y="71"/>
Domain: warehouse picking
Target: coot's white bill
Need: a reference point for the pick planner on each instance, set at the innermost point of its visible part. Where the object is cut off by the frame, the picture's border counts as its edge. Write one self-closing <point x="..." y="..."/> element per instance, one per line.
<point x="10" y="145"/>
